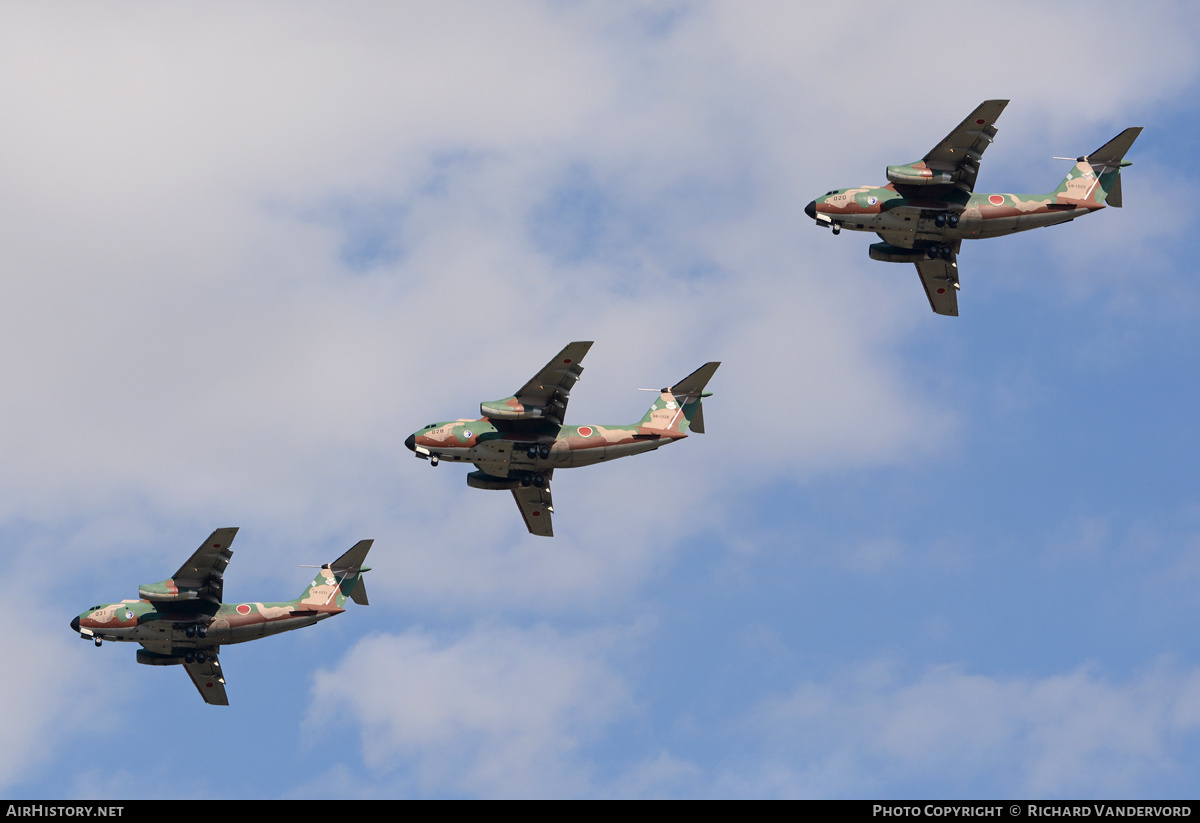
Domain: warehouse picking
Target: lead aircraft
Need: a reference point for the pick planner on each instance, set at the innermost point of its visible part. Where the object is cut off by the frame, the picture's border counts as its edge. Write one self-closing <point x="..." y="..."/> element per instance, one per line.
<point x="519" y="441"/>
<point x="182" y="621"/>
<point x="929" y="207"/>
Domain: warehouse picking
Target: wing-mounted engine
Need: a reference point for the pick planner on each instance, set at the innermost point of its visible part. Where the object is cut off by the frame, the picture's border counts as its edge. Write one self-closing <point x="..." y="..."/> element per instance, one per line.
<point x="919" y="174"/>
<point x="483" y="480"/>
<point x="511" y="408"/>
<point x="895" y="254"/>
<point x="149" y="658"/>
<point x="173" y="591"/>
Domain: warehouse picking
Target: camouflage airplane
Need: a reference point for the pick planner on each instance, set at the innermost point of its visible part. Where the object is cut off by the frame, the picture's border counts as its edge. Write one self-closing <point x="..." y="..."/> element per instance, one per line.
<point x="183" y="621"/>
<point x="929" y="207"/>
<point x="521" y="440"/>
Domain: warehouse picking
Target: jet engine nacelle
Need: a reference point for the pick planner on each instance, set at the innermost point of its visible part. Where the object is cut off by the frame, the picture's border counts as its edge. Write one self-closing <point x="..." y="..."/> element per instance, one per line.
<point x="895" y="254"/>
<point x="149" y="658"/>
<point x="168" y="591"/>
<point x="483" y="480"/>
<point x="510" y="409"/>
<point x="919" y="174"/>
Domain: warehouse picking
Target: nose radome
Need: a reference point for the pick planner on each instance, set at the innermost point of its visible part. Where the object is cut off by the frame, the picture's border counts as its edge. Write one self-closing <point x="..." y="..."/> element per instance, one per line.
<point x="411" y="442"/>
<point x="75" y="625"/>
<point x="811" y="210"/>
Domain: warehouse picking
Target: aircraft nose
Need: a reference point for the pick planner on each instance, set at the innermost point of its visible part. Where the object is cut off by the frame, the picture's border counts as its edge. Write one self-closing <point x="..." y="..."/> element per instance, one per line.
<point x="811" y="210"/>
<point x="411" y="442"/>
<point x="75" y="625"/>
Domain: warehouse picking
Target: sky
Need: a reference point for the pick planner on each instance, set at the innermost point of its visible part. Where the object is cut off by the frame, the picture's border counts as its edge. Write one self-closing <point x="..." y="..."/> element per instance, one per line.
<point x="247" y="248"/>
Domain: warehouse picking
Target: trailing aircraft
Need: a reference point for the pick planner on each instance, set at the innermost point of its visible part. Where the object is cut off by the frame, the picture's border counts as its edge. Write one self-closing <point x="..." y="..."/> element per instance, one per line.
<point x="929" y="207"/>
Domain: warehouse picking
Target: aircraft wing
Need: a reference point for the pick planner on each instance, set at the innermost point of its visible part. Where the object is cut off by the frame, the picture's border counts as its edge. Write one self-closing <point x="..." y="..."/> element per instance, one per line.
<point x="209" y="680"/>
<point x="550" y="388"/>
<point x="205" y="569"/>
<point x="198" y="584"/>
<point x="536" y="507"/>
<point x="940" y="279"/>
<point x="960" y="151"/>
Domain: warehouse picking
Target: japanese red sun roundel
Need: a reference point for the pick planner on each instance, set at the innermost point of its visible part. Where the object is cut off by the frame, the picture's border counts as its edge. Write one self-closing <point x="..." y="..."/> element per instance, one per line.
<point x="243" y="609"/>
<point x="996" y="200"/>
<point x="585" y="431"/>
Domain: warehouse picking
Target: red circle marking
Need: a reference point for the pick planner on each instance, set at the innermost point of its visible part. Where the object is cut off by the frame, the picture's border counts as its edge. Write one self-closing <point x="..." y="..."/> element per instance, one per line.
<point x="980" y="122"/>
<point x="568" y="360"/>
<point x="941" y="291"/>
<point x="243" y="609"/>
<point x="585" y="431"/>
<point x="537" y="514"/>
<point x="996" y="200"/>
<point x="208" y="685"/>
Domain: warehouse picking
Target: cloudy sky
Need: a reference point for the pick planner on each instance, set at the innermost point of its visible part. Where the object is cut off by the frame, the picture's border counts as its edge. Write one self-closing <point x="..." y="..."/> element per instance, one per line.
<point x="249" y="247"/>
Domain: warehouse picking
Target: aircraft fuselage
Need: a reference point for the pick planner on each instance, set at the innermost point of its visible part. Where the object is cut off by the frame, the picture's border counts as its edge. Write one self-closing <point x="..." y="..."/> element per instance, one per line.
<point x="159" y="628"/>
<point x="914" y="222"/>
<point x="512" y="452"/>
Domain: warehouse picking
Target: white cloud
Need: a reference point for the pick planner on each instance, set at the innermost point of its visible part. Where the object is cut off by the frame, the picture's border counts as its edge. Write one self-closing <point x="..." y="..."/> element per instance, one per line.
<point x="952" y="733"/>
<point x="497" y="712"/>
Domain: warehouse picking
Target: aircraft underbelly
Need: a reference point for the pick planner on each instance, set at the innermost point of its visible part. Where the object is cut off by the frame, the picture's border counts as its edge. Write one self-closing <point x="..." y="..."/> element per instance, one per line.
<point x="998" y="226"/>
<point x="241" y="634"/>
<point x="588" y="457"/>
<point x="491" y="456"/>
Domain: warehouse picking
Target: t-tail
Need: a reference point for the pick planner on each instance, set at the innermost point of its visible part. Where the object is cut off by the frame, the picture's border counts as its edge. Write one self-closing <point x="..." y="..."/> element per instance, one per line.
<point x="340" y="580"/>
<point x="678" y="408"/>
<point x="1095" y="181"/>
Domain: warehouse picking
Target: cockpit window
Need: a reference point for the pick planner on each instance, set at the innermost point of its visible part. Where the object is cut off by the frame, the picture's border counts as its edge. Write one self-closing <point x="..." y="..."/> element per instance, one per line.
<point x="830" y="192"/>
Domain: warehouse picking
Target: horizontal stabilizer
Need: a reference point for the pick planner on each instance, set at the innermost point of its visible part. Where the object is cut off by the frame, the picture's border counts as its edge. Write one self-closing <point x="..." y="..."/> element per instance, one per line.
<point x="1113" y="152"/>
<point x="695" y="382"/>
<point x="353" y="559"/>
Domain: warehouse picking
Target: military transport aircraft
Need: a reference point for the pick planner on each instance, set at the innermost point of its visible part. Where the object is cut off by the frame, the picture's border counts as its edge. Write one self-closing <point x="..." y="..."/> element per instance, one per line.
<point x="183" y="621"/>
<point x="929" y="207"/>
<point x="521" y="440"/>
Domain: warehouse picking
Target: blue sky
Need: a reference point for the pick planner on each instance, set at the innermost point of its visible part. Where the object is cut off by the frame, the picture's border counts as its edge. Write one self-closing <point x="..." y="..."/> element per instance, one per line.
<point x="251" y="247"/>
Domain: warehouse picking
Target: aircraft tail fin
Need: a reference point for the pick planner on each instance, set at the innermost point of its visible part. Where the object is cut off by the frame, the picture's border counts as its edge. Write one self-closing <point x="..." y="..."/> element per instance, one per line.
<point x="1096" y="178"/>
<point x="678" y="407"/>
<point x="340" y="580"/>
